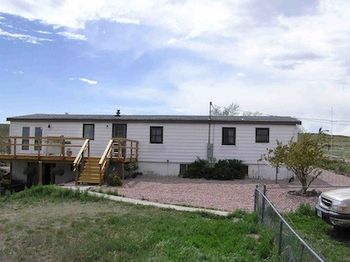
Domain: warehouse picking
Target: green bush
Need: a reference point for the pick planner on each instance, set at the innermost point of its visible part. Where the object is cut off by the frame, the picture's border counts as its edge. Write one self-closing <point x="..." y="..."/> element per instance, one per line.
<point x="227" y="169"/>
<point x="113" y="179"/>
<point x="197" y="169"/>
<point x="305" y="209"/>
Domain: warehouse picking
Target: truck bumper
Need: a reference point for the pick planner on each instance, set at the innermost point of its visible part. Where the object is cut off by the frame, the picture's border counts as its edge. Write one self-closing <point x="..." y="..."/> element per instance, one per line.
<point x="333" y="218"/>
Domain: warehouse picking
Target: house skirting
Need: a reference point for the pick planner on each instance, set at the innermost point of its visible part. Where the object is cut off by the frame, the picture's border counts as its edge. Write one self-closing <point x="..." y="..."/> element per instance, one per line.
<point x="256" y="171"/>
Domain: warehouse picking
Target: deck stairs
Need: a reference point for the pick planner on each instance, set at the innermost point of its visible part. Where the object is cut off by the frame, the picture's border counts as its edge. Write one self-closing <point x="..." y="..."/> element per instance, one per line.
<point x="90" y="171"/>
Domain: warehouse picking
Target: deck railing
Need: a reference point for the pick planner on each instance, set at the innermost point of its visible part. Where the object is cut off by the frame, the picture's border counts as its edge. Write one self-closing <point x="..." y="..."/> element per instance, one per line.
<point x="106" y="157"/>
<point x="79" y="159"/>
<point x="119" y="149"/>
<point x="59" y="146"/>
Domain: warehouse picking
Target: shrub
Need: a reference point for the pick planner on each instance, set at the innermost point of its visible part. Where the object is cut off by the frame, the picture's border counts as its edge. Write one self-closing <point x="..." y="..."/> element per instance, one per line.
<point x="305" y="209"/>
<point x="228" y="169"/>
<point x="113" y="179"/>
<point x="197" y="169"/>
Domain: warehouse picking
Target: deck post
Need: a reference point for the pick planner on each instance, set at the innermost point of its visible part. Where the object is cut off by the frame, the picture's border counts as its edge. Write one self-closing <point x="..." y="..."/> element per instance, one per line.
<point x="137" y="150"/>
<point x="38" y="146"/>
<point x="89" y="148"/>
<point x="14" y="146"/>
<point x="63" y="147"/>
<point x="123" y="172"/>
<point x="131" y="150"/>
<point x="11" y="169"/>
<point x="40" y="169"/>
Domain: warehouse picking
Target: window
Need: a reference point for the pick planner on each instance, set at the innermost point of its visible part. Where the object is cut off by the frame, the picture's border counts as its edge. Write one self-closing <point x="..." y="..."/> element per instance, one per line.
<point x="38" y="135"/>
<point x="262" y="135"/>
<point x="156" y="135"/>
<point x="228" y="135"/>
<point x="89" y="131"/>
<point x="119" y="130"/>
<point x="25" y="133"/>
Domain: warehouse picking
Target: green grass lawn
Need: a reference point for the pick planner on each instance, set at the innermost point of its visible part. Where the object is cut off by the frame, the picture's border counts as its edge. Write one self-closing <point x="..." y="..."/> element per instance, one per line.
<point x="50" y="224"/>
<point x="334" y="245"/>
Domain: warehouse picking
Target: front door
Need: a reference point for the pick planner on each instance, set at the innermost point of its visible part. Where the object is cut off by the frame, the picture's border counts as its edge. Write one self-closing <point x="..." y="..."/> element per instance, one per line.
<point x="119" y="148"/>
<point x="119" y="131"/>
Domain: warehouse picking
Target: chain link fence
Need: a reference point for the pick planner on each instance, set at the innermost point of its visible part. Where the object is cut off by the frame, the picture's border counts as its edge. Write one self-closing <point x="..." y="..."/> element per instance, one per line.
<point x="290" y="246"/>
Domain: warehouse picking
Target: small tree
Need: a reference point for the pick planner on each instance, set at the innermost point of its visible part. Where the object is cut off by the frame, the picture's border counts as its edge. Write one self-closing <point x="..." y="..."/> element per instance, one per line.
<point x="230" y="110"/>
<point x="302" y="157"/>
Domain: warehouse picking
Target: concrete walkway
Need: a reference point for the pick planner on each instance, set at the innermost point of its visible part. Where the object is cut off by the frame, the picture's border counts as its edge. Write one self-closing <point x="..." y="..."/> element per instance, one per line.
<point x="147" y="203"/>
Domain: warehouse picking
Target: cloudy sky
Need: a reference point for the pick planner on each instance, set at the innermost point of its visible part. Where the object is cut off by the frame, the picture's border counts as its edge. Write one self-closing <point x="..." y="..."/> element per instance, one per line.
<point x="173" y="57"/>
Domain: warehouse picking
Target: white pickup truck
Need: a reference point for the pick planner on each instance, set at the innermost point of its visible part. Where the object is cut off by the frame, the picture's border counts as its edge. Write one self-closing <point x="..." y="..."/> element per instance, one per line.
<point x="334" y="207"/>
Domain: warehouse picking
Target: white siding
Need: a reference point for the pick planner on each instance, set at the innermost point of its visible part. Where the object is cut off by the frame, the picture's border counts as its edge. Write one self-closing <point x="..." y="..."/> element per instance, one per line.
<point x="182" y="142"/>
<point x="246" y="149"/>
<point x="103" y="133"/>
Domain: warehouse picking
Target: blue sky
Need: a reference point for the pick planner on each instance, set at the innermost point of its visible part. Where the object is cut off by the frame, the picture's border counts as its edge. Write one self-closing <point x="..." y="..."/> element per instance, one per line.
<point x="173" y="57"/>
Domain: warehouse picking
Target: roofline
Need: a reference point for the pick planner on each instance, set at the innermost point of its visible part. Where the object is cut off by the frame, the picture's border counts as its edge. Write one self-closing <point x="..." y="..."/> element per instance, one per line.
<point x="197" y="121"/>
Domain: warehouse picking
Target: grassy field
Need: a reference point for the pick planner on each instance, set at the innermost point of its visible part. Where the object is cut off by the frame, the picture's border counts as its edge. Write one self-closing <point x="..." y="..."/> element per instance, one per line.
<point x="341" y="147"/>
<point x="4" y="130"/>
<point x="341" y="150"/>
<point x="333" y="245"/>
<point x="339" y="154"/>
<point x="49" y="224"/>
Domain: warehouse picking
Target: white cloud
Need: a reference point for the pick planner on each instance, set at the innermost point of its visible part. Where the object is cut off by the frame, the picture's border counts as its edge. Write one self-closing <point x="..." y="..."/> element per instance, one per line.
<point x="73" y="36"/>
<point x="19" y="72"/>
<point x="44" y="32"/>
<point x="89" y="81"/>
<point x="23" y="37"/>
<point x="278" y="57"/>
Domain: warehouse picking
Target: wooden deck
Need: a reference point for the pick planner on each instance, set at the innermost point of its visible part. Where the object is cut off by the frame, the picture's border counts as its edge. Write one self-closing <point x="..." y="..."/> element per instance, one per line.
<point x="35" y="157"/>
<point x="46" y="149"/>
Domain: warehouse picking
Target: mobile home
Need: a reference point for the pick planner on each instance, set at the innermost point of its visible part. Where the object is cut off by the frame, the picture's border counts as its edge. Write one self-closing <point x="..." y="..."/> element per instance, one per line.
<point x="83" y="145"/>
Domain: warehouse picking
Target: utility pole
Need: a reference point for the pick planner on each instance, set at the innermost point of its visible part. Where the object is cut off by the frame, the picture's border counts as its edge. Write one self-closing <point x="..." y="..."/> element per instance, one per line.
<point x="331" y="131"/>
<point x="210" y="106"/>
<point x="209" y="145"/>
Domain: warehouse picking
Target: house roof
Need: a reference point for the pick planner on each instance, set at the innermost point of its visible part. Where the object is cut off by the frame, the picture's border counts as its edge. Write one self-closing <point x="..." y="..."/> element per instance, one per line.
<point x="158" y="118"/>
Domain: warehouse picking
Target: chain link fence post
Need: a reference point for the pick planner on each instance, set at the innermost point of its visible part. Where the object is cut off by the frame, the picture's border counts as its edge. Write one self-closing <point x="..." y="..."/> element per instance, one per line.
<point x="255" y="197"/>
<point x="289" y="245"/>
<point x="280" y="239"/>
<point x="263" y="205"/>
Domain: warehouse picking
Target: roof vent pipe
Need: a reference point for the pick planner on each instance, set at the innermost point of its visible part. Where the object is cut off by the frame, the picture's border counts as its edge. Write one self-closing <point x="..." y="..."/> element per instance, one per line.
<point x="118" y="112"/>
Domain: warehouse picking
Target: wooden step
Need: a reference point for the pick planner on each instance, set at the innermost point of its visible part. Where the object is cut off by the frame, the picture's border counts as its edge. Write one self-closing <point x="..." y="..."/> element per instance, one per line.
<point x="90" y="175"/>
<point x="89" y="180"/>
<point x="94" y="160"/>
<point x="92" y="169"/>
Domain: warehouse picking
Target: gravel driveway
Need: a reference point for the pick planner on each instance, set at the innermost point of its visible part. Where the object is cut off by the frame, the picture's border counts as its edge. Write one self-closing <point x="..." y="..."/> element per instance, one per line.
<point x="222" y="195"/>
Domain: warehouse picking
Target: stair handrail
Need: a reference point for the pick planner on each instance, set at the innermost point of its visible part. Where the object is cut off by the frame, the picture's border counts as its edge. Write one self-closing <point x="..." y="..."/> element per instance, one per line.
<point x="105" y="158"/>
<point x="80" y="155"/>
